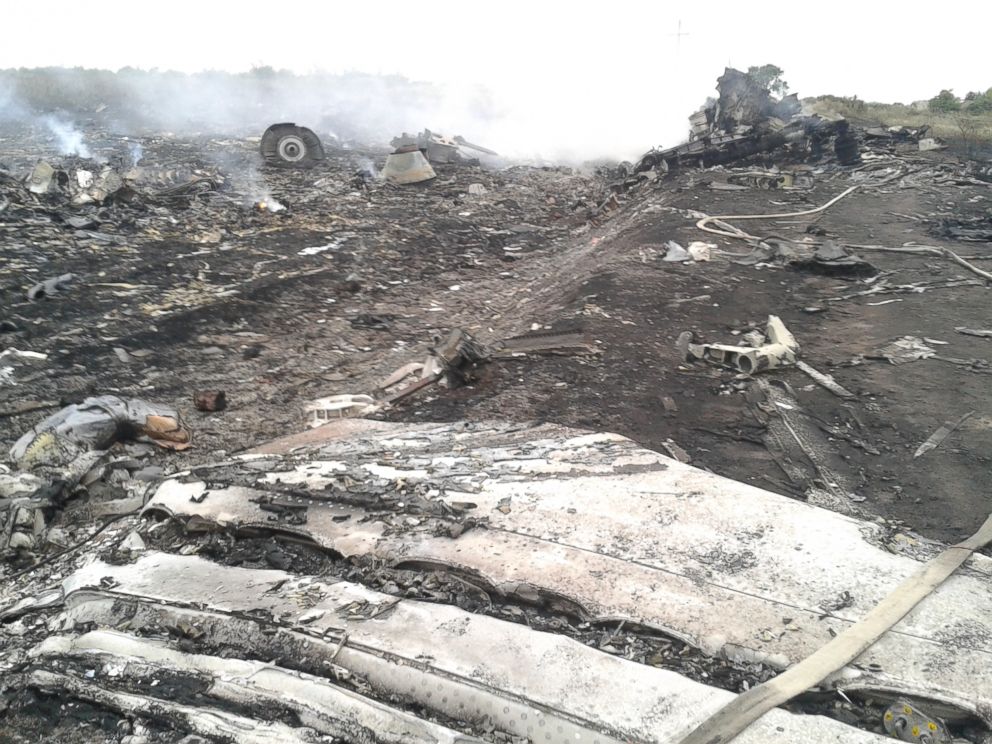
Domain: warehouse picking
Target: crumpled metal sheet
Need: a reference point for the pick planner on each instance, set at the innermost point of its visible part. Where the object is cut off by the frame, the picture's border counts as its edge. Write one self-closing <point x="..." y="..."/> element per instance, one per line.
<point x="622" y="533"/>
<point x="827" y="258"/>
<point x="217" y="724"/>
<point x="41" y="178"/>
<point x="474" y="668"/>
<point x="83" y="182"/>
<point x="96" y="189"/>
<point x="905" y="349"/>
<point x="250" y="685"/>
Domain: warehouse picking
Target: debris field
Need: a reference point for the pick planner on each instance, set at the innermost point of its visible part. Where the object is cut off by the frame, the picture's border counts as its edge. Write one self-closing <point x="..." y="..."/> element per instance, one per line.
<point x="496" y="452"/>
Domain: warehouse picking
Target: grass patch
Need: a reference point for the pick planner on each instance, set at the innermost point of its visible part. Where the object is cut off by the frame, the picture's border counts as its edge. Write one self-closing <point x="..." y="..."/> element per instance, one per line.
<point x="970" y="132"/>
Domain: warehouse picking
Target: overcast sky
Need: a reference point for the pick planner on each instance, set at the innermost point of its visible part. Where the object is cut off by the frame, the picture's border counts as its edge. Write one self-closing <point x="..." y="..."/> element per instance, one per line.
<point x="598" y="67"/>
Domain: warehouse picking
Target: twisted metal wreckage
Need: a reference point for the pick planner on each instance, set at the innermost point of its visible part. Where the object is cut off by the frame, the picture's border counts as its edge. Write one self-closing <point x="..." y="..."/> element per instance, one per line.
<point x="746" y="119"/>
<point x="580" y="525"/>
<point x="586" y="524"/>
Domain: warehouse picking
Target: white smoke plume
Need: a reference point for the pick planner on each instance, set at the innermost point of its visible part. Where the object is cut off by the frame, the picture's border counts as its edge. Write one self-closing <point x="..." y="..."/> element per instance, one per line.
<point x="366" y="166"/>
<point x="69" y="138"/>
<point x="241" y="168"/>
<point x="565" y="123"/>
<point x="342" y="109"/>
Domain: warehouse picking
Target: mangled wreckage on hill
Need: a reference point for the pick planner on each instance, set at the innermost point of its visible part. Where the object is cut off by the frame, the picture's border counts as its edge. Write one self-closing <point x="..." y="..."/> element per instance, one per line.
<point x="746" y="120"/>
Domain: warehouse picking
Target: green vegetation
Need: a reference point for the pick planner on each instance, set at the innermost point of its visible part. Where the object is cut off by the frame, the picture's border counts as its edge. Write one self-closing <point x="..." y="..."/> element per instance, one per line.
<point x="978" y="103"/>
<point x="945" y="102"/>
<point x="965" y="123"/>
<point x="770" y="76"/>
<point x="975" y="103"/>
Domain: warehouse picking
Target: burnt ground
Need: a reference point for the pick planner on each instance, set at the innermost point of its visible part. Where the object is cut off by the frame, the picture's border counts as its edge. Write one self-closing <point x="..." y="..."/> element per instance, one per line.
<point x="207" y="292"/>
<point x="210" y="293"/>
<point x="636" y="310"/>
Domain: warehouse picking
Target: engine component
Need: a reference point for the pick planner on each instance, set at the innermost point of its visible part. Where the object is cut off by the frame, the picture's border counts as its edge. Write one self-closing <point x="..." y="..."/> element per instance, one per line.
<point x="290" y="146"/>
<point x="907" y="722"/>
<point x="407" y="165"/>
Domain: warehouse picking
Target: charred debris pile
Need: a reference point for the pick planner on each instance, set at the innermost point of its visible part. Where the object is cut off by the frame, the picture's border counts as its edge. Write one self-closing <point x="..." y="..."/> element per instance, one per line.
<point x="373" y="581"/>
<point x="140" y="200"/>
<point x="746" y="120"/>
<point x="746" y="125"/>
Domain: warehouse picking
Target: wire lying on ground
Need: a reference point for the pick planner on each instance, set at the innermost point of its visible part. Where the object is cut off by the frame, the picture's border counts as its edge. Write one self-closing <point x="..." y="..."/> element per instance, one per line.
<point x="927" y="250"/>
<point x="730" y="231"/>
<point x="726" y="230"/>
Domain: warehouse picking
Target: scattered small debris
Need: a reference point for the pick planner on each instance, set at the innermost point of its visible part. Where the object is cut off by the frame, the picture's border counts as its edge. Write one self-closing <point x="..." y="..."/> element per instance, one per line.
<point x="833" y="260"/>
<point x="828" y="259"/>
<point x="40" y="180"/>
<point x="697" y="251"/>
<point x="133" y="543"/>
<point x="327" y="409"/>
<point x="969" y="229"/>
<point x="776" y="348"/>
<point x="210" y="400"/>
<point x="50" y="287"/>
<point x="401" y="374"/>
<point x="974" y="332"/>
<point x="676" y="452"/>
<point x="825" y="380"/>
<point x="676" y="252"/>
<point x="700" y="251"/>
<point x="340" y="279"/>
<point x="12" y="354"/>
<point x="945" y="430"/>
<point x="27" y="406"/>
<point x="903" y="350"/>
